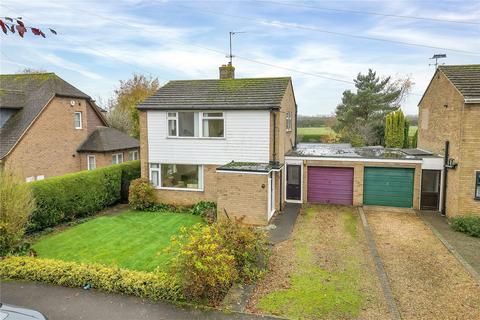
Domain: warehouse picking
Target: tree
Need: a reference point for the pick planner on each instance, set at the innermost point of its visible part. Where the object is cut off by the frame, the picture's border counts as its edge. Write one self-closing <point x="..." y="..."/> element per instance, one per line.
<point x="395" y="131"/>
<point x="413" y="144"/>
<point x="9" y="25"/>
<point x="123" y="113"/>
<point x="360" y="115"/>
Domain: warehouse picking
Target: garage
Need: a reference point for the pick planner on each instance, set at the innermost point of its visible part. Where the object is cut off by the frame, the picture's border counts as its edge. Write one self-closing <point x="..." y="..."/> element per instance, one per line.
<point x="388" y="187"/>
<point x="330" y="185"/>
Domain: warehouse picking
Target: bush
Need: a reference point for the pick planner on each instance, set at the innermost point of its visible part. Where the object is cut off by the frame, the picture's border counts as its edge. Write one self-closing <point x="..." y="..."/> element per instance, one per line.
<point x="207" y="210"/>
<point x="213" y="257"/>
<point x="151" y="285"/>
<point x="141" y="195"/>
<point x="467" y="224"/>
<point x="64" y="198"/>
<point x="16" y="205"/>
<point x="130" y="171"/>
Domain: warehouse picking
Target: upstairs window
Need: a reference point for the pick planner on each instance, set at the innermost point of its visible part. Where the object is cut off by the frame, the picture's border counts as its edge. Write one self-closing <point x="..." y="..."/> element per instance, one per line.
<point x="477" y="185"/>
<point x="117" y="158"/>
<point x="133" y="155"/>
<point x="77" y="120"/>
<point x="288" y="120"/>
<point x="195" y="124"/>
<point x="212" y="125"/>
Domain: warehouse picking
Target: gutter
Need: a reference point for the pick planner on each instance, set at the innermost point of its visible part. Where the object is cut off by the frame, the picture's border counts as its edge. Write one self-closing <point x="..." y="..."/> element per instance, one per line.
<point x="472" y="100"/>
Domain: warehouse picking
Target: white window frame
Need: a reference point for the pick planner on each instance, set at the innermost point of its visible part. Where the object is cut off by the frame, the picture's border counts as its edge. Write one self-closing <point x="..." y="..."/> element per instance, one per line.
<point x="30" y="179"/>
<point x="75" y="120"/>
<point x="288" y="121"/>
<point x="133" y="155"/>
<point x="40" y="177"/>
<point x="117" y="156"/>
<point x="201" y="117"/>
<point x="159" y="170"/>
<point x="94" y="162"/>
<point x="477" y="187"/>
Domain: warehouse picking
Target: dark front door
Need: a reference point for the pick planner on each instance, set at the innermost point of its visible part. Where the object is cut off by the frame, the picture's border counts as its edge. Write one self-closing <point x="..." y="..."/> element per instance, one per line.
<point x="294" y="182"/>
<point x="430" y="197"/>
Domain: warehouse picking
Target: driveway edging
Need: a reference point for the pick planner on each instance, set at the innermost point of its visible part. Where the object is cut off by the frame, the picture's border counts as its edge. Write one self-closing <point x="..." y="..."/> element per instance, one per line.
<point x="382" y="275"/>
<point x="456" y="254"/>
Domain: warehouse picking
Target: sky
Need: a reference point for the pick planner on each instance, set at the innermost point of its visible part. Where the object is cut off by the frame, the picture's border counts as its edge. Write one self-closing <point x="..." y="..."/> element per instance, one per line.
<point x="322" y="45"/>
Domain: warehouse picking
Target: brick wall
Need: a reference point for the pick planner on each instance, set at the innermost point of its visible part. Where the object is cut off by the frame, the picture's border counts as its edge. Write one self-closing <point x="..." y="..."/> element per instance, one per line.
<point x="243" y="196"/>
<point x="143" y="143"/>
<point x="457" y="123"/>
<point x="358" y="170"/>
<point x="102" y="159"/>
<point x="49" y="146"/>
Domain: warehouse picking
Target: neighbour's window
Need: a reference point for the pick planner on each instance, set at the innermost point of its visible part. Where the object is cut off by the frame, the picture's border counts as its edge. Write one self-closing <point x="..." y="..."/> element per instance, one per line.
<point x="195" y="124"/>
<point x="78" y="120"/>
<point x="477" y="185"/>
<point x="155" y="174"/>
<point x="40" y="177"/>
<point x="117" y="158"/>
<point x="91" y="163"/>
<point x="30" y="179"/>
<point x="289" y="121"/>
<point x="133" y="155"/>
<point x="176" y="176"/>
<point x="213" y="124"/>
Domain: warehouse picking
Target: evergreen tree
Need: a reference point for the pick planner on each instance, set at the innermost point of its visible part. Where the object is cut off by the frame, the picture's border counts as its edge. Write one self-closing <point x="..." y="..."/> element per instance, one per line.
<point x="361" y="113"/>
<point x="396" y="130"/>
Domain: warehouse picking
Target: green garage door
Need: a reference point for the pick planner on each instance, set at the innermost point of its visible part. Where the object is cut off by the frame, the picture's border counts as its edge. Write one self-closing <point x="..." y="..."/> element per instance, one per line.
<point x="388" y="187"/>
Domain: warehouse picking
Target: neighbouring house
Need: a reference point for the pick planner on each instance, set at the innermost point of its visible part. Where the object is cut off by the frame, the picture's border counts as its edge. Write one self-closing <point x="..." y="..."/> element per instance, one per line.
<point x="221" y="140"/>
<point x="49" y="128"/>
<point x="449" y="125"/>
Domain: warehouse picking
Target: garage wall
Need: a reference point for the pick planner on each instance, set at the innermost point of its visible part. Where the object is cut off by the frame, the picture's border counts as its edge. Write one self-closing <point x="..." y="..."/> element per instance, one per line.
<point x="358" y="168"/>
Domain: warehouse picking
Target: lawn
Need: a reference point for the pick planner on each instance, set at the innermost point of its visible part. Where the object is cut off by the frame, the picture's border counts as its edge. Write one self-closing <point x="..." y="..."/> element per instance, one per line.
<point x="315" y="131"/>
<point x="131" y="240"/>
<point x="323" y="272"/>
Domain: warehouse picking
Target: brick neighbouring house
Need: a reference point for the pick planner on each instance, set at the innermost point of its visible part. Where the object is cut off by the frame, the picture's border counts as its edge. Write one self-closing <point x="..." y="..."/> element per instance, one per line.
<point x="450" y="111"/>
<point x="220" y="140"/>
<point x="47" y="125"/>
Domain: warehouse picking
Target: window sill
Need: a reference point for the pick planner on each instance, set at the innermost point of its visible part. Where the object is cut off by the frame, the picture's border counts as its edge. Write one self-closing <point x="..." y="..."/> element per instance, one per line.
<point x="476" y="199"/>
<point x="179" y="189"/>
<point x="198" y="138"/>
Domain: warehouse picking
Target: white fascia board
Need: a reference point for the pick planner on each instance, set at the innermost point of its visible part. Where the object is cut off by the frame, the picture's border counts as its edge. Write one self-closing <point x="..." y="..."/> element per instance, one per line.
<point x="355" y="159"/>
<point x="243" y="172"/>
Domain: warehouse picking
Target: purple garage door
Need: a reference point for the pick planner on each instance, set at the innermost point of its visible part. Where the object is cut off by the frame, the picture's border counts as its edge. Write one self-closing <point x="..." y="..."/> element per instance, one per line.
<point x="330" y="185"/>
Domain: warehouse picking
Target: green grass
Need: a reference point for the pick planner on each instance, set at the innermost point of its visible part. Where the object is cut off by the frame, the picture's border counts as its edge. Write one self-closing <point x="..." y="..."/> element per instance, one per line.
<point x="315" y="130"/>
<point x="131" y="240"/>
<point x="315" y="292"/>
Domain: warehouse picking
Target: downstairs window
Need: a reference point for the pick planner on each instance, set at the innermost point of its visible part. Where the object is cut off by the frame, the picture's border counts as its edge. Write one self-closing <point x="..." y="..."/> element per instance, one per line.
<point x="477" y="185"/>
<point x="177" y="176"/>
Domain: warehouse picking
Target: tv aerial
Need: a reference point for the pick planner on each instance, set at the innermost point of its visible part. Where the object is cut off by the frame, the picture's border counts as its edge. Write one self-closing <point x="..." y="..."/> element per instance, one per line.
<point x="437" y="56"/>
<point x="230" y="56"/>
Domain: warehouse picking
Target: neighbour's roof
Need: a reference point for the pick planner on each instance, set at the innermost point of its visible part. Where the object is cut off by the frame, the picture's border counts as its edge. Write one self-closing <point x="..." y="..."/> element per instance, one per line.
<point x="466" y="78"/>
<point x="108" y="139"/>
<point x="345" y="150"/>
<point x="235" y="94"/>
<point x="28" y="93"/>
<point x="249" y="166"/>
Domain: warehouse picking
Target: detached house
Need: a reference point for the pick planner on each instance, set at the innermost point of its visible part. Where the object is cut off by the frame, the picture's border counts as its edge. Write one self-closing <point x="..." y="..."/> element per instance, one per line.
<point x="449" y="125"/>
<point x="221" y="140"/>
<point x="48" y="128"/>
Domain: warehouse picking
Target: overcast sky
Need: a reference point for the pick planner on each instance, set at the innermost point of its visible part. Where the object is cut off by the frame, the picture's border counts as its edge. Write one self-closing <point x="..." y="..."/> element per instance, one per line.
<point x="101" y="42"/>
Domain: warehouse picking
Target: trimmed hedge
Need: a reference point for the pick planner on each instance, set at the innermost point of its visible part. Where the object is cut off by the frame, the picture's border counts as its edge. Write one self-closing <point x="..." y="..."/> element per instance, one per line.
<point x="151" y="285"/>
<point x="467" y="224"/>
<point x="76" y="195"/>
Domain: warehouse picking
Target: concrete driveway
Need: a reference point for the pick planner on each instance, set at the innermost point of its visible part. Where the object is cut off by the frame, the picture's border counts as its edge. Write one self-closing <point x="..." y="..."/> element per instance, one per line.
<point x="427" y="281"/>
<point x="59" y="303"/>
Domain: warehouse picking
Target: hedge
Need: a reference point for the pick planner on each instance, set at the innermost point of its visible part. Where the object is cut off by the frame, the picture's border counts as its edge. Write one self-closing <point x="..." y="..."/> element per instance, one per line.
<point x="76" y="195"/>
<point x="151" y="285"/>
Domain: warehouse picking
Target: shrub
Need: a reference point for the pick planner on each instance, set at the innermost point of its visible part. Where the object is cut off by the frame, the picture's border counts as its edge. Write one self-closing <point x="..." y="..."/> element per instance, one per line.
<point x="74" y="195"/>
<point x="151" y="285"/>
<point x="130" y="171"/>
<point x="467" y="224"/>
<point x="207" y="210"/>
<point x="141" y="195"/>
<point x="206" y="265"/>
<point x="16" y="205"/>
<point x="213" y="257"/>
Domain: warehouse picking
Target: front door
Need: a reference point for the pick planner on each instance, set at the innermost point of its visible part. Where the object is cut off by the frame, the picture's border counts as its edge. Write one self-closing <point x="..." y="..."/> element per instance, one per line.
<point x="294" y="182"/>
<point x="430" y="197"/>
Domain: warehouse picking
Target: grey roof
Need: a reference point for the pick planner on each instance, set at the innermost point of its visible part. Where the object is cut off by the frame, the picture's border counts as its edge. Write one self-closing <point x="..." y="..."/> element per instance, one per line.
<point x="29" y="93"/>
<point x="250" y="166"/>
<point x="345" y="150"/>
<point x="108" y="139"/>
<point x="466" y="78"/>
<point x="235" y="94"/>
